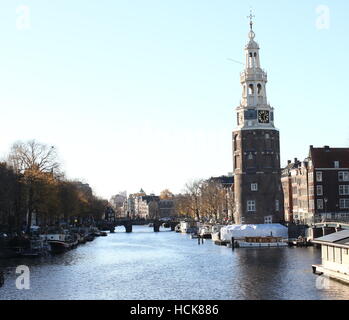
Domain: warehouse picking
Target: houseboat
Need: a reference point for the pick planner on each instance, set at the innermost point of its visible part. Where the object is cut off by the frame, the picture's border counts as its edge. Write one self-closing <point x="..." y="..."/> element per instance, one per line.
<point x="188" y="227"/>
<point x="260" y="242"/>
<point x="334" y="255"/>
<point x="216" y="232"/>
<point x="205" y="231"/>
<point x="58" y="242"/>
<point x="255" y="236"/>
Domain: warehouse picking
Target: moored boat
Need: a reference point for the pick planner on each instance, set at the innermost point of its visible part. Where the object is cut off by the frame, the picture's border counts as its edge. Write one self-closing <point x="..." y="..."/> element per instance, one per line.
<point x="260" y="242"/>
<point x="59" y="243"/>
<point x="205" y="232"/>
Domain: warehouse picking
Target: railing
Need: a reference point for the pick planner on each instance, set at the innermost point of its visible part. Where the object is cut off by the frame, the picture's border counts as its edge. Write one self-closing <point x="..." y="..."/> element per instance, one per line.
<point x="332" y="217"/>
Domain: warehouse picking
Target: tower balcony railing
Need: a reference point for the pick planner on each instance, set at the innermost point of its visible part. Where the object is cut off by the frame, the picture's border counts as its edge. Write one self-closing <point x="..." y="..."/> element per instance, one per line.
<point x="254" y="100"/>
<point x="253" y="75"/>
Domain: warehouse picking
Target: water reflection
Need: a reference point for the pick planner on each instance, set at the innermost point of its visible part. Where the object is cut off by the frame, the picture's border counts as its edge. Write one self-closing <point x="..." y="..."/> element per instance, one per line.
<point x="167" y="265"/>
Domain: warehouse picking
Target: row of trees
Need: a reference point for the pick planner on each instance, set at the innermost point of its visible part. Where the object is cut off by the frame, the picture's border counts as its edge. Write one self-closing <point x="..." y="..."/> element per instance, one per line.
<point x="205" y="200"/>
<point x="32" y="184"/>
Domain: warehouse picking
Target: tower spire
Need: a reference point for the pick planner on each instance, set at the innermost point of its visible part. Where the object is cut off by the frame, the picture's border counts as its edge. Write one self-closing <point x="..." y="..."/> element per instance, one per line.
<point x="251" y="16"/>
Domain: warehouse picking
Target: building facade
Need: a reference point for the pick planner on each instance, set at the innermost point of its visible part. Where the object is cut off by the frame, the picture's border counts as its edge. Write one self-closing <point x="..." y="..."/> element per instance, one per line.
<point x="320" y="186"/>
<point x="256" y="148"/>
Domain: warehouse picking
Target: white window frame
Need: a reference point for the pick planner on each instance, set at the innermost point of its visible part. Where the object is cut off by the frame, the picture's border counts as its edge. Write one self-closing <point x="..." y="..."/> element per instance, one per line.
<point x="254" y="187"/>
<point x="318" y="176"/>
<point x="320" y="204"/>
<point x="319" y="190"/>
<point x="268" y="220"/>
<point x="344" y="190"/>
<point x="344" y="203"/>
<point x="336" y="164"/>
<point x="251" y="206"/>
<point x="343" y="176"/>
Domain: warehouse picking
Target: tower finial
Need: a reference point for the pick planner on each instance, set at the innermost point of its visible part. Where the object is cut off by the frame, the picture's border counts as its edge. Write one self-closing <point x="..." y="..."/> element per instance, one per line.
<point x="251" y="16"/>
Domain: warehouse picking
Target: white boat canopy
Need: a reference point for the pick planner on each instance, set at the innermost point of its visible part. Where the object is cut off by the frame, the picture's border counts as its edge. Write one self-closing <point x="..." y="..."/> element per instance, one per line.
<point x="239" y="231"/>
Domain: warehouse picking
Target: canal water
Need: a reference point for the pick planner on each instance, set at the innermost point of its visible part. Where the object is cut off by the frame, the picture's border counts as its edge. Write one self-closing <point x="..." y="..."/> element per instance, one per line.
<point x="169" y="266"/>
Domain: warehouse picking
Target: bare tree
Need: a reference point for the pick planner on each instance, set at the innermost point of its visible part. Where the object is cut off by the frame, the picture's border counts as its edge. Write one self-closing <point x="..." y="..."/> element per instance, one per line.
<point x="213" y="198"/>
<point x="33" y="155"/>
<point x="193" y="190"/>
<point x="37" y="164"/>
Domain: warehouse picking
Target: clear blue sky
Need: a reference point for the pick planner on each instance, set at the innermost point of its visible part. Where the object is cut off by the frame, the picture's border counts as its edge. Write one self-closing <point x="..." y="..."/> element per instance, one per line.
<point x="137" y="93"/>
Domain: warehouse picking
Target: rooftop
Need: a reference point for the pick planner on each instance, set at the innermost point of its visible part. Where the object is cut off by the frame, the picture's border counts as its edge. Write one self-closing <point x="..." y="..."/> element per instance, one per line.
<point x="326" y="156"/>
<point x="341" y="238"/>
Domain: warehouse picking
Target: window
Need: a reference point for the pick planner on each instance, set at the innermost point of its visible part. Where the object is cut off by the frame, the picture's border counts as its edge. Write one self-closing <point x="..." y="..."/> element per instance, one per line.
<point x="259" y="88"/>
<point x="254" y="186"/>
<point x="311" y="191"/>
<point x="250" y="89"/>
<point x="277" y="205"/>
<point x="319" y="190"/>
<point x="343" y="176"/>
<point x="344" y="203"/>
<point x="251" y="206"/>
<point x="311" y="177"/>
<point x="336" y="164"/>
<point x="320" y="204"/>
<point x="311" y="205"/>
<point x="319" y="176"/>
<point x="344" y="190"/>
<point x="268" y="219"/>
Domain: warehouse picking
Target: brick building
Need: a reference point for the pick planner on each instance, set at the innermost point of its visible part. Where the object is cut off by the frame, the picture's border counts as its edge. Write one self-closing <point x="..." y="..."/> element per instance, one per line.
<point x="319" y="186"/>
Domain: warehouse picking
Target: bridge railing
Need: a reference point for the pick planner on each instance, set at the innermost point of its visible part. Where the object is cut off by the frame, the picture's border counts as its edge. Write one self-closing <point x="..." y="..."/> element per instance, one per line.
<point x="332" y="217"/>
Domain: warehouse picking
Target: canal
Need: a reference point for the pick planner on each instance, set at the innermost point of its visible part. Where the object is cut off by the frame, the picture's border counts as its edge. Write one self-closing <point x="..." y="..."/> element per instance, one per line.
<point x="168" y="265"/>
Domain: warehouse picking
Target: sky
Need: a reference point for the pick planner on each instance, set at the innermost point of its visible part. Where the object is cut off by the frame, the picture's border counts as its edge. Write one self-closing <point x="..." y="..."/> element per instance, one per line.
<point x="142" y="94"/>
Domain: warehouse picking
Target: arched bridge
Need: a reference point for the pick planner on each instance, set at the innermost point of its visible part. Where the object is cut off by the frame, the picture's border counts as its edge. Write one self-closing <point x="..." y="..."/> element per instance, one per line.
<point x="128" y="223"/>
<point x="321" y="229"/>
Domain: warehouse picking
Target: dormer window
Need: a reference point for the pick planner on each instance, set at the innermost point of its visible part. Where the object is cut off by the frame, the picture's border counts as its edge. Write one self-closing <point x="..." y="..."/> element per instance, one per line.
<point x="336" y="164"/>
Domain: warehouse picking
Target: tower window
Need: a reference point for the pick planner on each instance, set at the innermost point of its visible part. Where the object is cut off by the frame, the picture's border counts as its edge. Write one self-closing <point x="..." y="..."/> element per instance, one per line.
<point x="259" y="88"/>
<point x="250" y="89"/>
<point x="254" y="186"/>
<point x="251" y="206"/>
<point x="251" y="54"/>
<point x="255" y="54"/>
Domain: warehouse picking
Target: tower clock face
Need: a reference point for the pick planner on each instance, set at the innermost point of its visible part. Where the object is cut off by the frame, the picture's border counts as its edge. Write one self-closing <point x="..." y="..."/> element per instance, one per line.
<point x="263" y="116"/>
